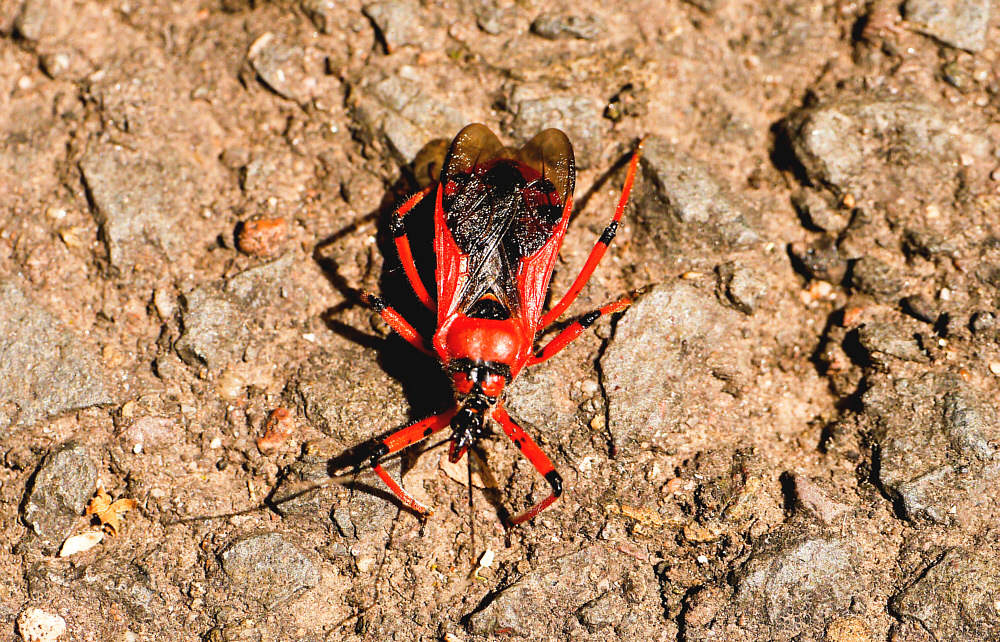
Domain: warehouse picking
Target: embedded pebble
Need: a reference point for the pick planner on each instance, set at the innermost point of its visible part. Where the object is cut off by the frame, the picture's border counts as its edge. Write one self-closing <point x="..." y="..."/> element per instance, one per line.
<point x="36" y="625"/>
<point x="269" y="568"/>
<point x="64" y="482"/>
<point x="959" y="23"/>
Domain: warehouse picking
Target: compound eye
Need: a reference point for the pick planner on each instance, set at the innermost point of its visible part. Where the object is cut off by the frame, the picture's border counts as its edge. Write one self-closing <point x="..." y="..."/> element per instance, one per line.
<point x="463" y="384"/>
<point x="493" y="385"/>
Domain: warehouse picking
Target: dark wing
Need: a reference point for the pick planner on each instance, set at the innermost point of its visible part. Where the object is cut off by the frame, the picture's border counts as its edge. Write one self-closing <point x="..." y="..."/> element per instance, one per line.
<point x="501" y="207"/>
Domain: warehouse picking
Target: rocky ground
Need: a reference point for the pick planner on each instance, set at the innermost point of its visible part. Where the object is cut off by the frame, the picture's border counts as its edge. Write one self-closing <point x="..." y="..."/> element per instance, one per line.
<point x="792" y="435"/>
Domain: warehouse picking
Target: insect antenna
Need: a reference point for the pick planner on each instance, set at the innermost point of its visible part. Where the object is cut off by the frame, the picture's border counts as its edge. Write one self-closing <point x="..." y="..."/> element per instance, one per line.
<point x="271" y="503"/>
<point x="472" y="511"/>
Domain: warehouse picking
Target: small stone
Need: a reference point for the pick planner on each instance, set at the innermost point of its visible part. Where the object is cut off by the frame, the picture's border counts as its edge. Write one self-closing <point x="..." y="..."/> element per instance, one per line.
<point x="283" y="68"/>
<point x="556" y="26"/>
<point x="892" y="340"/>
<point x="397" y="22"/>
<point x="873" y="276"/>
<point x="36" y="625"/>
<point x="80" y="543"/>
<point x="676" y="188"/>
<point x="983" y="323"/>
<point x="150" y="432"/>
<point x="262" y="237"/>
<point x="279" y="427"/>
<point x="820" y="259"/>
<point x="742" y="286"/>
<point x="812" y="498"/>
<point x="323" y="14"/>
<point x="45" y="369"/>
<point x="816" y="212"/>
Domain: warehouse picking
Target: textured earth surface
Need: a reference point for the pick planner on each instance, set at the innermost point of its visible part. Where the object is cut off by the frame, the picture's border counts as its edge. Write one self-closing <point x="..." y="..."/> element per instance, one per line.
<point x="791" y="435"/>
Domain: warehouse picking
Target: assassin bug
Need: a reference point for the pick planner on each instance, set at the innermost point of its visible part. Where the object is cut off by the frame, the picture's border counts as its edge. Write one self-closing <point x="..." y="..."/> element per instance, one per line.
<point x="500" y="216"/>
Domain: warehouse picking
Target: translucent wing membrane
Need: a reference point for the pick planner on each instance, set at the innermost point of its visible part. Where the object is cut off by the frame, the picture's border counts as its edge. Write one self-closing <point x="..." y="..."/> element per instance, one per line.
<point x="503" y="205"/>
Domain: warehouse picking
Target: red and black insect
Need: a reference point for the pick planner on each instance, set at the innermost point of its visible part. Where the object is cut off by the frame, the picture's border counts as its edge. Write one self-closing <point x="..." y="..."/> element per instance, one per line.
<point x="499" y="220"/>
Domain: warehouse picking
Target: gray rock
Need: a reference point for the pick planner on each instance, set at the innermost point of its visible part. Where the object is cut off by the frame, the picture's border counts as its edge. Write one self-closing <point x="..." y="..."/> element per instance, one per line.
<point x="873" y="276"/>
<point x="596" y="587"/>
<point x="817" y="212"/>
<point x="45" y="370"/>
<point x="796" y="583"/>
<point x="396" y="110"/>
<point x="672" y="355"/>
<point x="216" y="318"/>
<point x="892" y="340"/>
<point x="64" y="482"/>
<point x="35" y="15"/>
<point x="556" y="26"/>
<point x="398" y="22"/>
<point x="743" y="287"/>
<point x="956" y="598"/>
<point x="269" y="568"/>
<point x="959" y="23"/>
<point x="800" y="582"/>
<point x="837" y="142"/>
<point x="820" y="259"/>
<point x="494" y="20"/>
<point x="141" y="201"/>
<point x="281" y="67"/>
<point x="815" y="497"/>
<point x="937" y="451"/>
<point x="677" y="188"/>
<point x="323" y="14"/>
<point x="580" y="117"/>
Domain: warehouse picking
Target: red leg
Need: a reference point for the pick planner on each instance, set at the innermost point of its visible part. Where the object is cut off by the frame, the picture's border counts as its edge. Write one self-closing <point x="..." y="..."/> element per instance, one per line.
<point x="400" y="440"/>
<point x="574" y="330"/>
<point x="397" y="322"/>
<point x="537" y="458"/>
<point x="599" y="248"/>
<point x="403" y="247"/>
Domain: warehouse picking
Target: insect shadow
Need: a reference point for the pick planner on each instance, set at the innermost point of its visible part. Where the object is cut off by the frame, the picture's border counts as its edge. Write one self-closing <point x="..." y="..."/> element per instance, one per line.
<point x="426" y="387"/>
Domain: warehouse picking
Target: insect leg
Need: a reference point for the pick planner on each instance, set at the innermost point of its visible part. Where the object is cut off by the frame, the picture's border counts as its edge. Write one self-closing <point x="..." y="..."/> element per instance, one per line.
<point x="403" y="247"/>
<point x="576" y="328"/>
<point x="397" y="322"/>
<point x="599" y="248"/>
<point x="537" y="458"/>
<point x="400" y="440"/>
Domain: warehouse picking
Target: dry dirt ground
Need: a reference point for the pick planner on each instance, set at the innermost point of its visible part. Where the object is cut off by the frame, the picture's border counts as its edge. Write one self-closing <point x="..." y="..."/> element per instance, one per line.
<point x="792" y="434"/>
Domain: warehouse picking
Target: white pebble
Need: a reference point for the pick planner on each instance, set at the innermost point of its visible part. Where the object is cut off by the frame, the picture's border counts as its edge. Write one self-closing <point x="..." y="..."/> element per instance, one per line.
<point x="35" y="625"/>
<point x="79" y="543"/>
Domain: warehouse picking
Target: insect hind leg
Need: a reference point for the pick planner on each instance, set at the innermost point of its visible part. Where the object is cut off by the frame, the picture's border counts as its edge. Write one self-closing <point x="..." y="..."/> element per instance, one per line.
<point x="404" y="251"/>
<point x="600" y="248"/>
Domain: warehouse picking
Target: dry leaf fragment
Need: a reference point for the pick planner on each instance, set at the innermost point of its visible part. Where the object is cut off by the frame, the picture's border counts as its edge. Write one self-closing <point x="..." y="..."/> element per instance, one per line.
<point x="109" y="512"/>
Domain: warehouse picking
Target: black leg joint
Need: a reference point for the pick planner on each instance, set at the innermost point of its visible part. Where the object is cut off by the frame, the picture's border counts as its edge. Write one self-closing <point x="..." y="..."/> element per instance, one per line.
<point x="609" y="233"/>
<point x="376" y="303"/>
<point x="374" y="454"/>
<point x="588" y="319"/>
<point x="397" y="227"/>
<point x="555" y="481"/>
